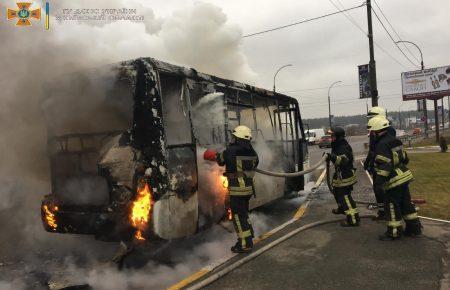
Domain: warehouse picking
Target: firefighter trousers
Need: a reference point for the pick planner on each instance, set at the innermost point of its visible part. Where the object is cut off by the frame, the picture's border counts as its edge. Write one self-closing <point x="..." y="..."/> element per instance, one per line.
<point x="239" y="208"/>
<point x="379" y="194"/>
<point x="346" y="203"/>
<point x="398" y="207"/>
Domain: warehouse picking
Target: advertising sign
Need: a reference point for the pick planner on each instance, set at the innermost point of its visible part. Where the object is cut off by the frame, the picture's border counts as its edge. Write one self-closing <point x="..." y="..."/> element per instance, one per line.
<point x="433" y="83"/>
<point x="364" y="81"/>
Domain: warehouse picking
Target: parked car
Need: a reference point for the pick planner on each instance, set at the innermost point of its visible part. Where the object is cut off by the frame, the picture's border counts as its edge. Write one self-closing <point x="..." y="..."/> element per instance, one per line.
<point x="417" y="131"/>
<point x="325" y="141"/>
<point x="400" y="133"/>
<point x="313" y="136"/>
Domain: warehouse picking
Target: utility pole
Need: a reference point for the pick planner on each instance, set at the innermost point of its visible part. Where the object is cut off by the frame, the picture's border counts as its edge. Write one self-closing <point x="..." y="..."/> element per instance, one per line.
<point x="443" y="115"/>
<point x="372" y="67"/>
<point x="436" y="120"/>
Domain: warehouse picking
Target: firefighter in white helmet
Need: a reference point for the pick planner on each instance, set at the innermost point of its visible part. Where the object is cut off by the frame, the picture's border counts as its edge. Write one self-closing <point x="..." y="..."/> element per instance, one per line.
<point x="376" y="111"/>
<point x="393" y="178"/>
<point x="370" y="159"/>
<point x="240" y="161"/>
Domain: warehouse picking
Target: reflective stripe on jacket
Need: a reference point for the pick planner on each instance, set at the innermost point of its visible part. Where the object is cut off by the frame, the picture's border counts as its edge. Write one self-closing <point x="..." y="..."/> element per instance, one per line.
<point x="240" y="161"/>
<point x="390" y="162"/>
<point x="342" y="157"/>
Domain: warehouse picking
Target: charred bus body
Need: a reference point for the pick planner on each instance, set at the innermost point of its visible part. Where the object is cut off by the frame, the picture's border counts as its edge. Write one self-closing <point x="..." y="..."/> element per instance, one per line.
<point x="125" y="145"/>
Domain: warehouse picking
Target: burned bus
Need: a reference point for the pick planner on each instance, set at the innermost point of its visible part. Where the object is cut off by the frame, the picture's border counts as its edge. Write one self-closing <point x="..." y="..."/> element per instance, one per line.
<point x="125" y="144"/>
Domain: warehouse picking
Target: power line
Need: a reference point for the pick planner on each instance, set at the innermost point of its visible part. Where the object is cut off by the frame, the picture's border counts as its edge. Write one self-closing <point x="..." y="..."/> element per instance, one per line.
<point x="301" y="22"/>
<point x="349" y="17"/>
<point x="353" y="21"/>
<point x="338" y="86"/>
<point x="393" y="40"/>
<point x="347" y="101"/>
<point x="393" y="29"/>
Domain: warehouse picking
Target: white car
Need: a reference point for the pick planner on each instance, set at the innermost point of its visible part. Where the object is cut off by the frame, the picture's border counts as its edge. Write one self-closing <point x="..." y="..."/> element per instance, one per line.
<point x="400" y="133"/>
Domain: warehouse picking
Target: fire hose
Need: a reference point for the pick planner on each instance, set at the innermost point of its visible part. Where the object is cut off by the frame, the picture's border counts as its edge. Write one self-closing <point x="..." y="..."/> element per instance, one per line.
<point x="329" y="184"/>
<point x="267" y="247"/>
<point x="292" y="174"/>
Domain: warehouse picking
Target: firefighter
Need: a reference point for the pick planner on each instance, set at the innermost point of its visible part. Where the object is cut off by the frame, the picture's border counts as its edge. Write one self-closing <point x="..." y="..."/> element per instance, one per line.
<point x="393" y="178"/>
<point x="240" y="161"/>
<point x="370" y="160"/>
<point x="344" y="177"/>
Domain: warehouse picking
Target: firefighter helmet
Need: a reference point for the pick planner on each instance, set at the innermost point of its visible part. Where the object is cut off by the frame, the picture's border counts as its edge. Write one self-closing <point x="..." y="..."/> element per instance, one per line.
<point x="242" y="132"/>
<point x="337" y="131"/>
<point x="376" y="111"/>
<point x="377" y="123"/>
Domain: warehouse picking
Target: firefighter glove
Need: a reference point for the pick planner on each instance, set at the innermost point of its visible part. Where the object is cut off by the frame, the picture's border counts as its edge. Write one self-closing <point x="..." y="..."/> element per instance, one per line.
<point x="210" y="155"/>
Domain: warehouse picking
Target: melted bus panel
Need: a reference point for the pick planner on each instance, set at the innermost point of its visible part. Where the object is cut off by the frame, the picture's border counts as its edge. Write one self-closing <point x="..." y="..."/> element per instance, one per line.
<point x="148" y="122"/>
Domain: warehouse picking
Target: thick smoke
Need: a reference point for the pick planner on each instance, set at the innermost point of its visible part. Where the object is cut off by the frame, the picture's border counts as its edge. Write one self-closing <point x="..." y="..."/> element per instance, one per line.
<point x="198" y="36"/>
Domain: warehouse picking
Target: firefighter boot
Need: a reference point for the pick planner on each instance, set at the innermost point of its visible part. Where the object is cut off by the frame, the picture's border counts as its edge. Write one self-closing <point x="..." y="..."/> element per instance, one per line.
<point x="392" y="233"/>
<point x="388" y="237"/>
<point x="237" y="248"/>
<point x="352" y="221"/>
<point x="413" y="228"/>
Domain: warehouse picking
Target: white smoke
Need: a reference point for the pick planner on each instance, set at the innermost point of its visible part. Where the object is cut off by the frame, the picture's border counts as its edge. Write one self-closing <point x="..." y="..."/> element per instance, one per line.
<point x="208" y="118"/>
<point x="198" y="36"/>
<point x="14" y="285"/>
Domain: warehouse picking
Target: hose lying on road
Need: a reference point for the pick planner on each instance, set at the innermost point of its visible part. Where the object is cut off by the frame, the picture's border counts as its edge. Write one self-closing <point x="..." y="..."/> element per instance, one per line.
<point x="253" y="255"/>
<point x="292" y="174"/>
<point x="329" y="182"/>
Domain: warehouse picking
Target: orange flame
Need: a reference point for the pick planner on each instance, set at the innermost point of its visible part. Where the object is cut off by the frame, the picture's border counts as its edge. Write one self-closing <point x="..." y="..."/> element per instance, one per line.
<point x="230" y="214"/>
<point x="139" y="236"/>
<point x="224" y="181"/>
<point x="50" y="217"/>
<point x="140" y="211"/>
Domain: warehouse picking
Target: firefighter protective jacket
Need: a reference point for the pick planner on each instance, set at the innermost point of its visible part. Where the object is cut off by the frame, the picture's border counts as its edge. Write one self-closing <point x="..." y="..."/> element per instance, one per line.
<point x="240" y="162"/>
<point x="342" y="157"/>
<point x="390" y="163"/>
<point x="369" y="163"/>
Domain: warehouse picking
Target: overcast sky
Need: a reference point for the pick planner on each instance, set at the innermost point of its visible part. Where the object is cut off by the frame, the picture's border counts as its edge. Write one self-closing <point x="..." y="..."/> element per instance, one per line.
<point x="321" y="52"/>
<point x="330" y="49"/>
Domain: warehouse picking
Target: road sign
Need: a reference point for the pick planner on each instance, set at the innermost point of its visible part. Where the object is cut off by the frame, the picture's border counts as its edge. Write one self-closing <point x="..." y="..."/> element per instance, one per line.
<point x="364" y="81"/>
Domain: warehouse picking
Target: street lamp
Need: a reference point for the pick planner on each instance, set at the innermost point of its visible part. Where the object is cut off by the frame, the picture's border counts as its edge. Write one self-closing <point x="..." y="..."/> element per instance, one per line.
<point x="421" y="55"/>
<point x="329" y="104"/>
<point x="425" y="110"/>
<point x="277" y="73"/>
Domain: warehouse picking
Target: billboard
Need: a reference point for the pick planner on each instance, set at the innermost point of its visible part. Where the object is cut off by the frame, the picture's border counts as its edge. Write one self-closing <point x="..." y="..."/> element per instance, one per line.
<point x="364" y="81"/>
<point x="433" y="83"/>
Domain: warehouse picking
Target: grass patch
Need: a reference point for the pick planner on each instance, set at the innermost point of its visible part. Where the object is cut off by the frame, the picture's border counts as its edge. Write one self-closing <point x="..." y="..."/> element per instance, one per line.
<point x="432" y="183"/>
<point x="431" y="141"/>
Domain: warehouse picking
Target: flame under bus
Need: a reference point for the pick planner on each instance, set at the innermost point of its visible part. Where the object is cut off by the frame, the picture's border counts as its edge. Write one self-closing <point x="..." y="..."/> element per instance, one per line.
<point x="125" y="146"/>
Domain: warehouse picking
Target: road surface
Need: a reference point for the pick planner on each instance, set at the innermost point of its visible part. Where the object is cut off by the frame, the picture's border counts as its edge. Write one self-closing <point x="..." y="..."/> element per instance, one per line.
<point x="332" y="257"/>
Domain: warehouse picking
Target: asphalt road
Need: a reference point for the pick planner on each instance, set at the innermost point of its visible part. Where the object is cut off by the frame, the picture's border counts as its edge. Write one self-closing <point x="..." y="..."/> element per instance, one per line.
<point x="321" y="258"/>
<point x="332" y="257"/>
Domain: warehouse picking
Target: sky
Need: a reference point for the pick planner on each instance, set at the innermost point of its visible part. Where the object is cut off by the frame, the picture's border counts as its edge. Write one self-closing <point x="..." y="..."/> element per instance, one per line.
<point x="321" y="52"/>
<point x="330" y="49"/>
